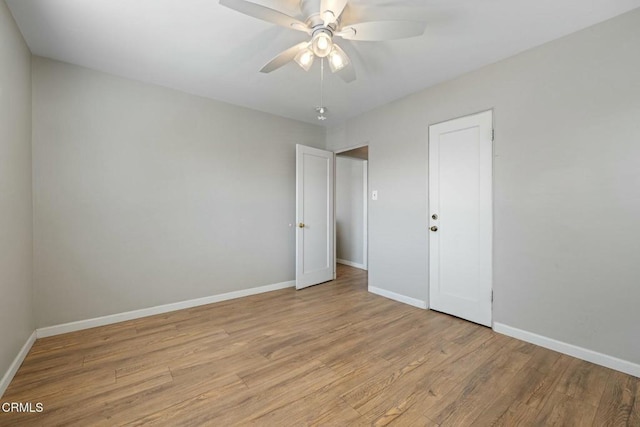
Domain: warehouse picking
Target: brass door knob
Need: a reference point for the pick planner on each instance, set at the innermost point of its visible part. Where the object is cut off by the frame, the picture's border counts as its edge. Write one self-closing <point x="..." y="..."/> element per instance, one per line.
<point x="434" y="228"/>
<point x="301" y="225"/>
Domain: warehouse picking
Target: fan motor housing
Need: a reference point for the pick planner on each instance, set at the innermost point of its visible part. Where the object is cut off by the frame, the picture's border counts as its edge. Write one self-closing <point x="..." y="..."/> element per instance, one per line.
<point x="322" y="29"/>
<point x="311" y="9"/>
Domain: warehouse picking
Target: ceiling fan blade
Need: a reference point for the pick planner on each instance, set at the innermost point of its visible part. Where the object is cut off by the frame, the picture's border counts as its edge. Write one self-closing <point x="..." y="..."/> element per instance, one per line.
<point x="382" y="30"/>
<point x="335" y="7"/>
<point x="348" y="73"/>
<point x="284" y="57"/>
<point x="266" y="14"/>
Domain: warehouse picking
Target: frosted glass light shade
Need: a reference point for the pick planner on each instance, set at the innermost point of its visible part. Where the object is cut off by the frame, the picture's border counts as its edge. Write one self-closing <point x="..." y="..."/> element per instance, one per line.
<point x="337" y="60"/>
<point x="305" y="58"/>
<point x="321" y="44"/>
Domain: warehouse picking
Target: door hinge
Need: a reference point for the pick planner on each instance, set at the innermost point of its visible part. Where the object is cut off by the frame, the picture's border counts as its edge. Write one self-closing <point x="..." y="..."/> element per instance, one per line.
<point x="491" y="296"/>
<point x="493" y="134"/>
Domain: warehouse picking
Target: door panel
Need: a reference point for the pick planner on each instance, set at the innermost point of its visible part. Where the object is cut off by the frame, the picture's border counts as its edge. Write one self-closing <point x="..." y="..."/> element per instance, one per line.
<point x="460" y="196"/>
<point x="314" y="212"/>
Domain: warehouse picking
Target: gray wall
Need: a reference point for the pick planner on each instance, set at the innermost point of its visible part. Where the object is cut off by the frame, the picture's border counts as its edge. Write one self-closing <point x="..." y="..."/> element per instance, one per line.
<point x="567" y="185"/>
<point x="349" y="209"/>
<point x="146" y="196"/>
<point x="16" y="314"/>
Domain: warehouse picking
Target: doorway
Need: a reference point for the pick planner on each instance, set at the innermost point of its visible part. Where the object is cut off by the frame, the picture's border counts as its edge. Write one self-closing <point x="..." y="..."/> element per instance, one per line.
<point x="460" y="217"/>
<point x="351" y="212"/>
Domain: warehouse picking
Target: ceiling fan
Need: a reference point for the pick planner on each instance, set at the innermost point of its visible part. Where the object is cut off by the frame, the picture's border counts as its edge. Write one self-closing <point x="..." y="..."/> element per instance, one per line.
<point x="323" y="25"/>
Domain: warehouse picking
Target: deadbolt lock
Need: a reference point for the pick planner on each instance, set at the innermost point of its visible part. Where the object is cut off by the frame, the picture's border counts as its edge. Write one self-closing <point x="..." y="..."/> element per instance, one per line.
<point x="434" y="216"/>
<point x="434" y="228"/>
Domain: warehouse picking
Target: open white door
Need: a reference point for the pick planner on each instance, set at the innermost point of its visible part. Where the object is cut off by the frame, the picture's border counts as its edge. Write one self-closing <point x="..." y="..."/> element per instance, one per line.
<point x="314" y="212"/>
<point x="460" y="217"/>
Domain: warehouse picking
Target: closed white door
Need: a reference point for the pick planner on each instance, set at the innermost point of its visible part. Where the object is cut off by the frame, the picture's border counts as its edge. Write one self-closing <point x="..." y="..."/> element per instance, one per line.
<point x="314" y="211"/>
<point x="460" y="217"/>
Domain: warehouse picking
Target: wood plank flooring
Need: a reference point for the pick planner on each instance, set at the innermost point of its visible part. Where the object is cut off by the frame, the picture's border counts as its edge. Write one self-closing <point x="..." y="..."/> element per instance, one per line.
<point x="332" y="354"/>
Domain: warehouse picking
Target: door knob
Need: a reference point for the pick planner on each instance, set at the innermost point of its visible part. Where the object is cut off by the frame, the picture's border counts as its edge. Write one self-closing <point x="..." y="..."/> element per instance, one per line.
<point x="301" y="225"/>
<point x="434" y="228"/>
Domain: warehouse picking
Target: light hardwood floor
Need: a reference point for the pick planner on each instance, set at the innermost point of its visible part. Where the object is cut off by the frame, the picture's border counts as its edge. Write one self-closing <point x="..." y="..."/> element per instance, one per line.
<point x="328" y="355"/>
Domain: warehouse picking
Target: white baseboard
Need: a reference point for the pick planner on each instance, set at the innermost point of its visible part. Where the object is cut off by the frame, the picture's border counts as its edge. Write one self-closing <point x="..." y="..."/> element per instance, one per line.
<point x="15" y="365"/>
<point x="351" y="264"/>
<point x="397" y="297"/>
<point x="570" y="349"/>
<point x="136" y="314"/>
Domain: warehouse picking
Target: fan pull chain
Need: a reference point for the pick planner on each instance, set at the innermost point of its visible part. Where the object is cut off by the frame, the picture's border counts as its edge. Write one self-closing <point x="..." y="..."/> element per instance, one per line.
<point x="321" y="82"/>
<point x="321" y="110"/>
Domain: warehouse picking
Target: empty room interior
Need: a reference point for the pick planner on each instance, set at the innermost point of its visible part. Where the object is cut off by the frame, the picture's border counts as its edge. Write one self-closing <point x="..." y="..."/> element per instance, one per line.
<point x="319" y="212"/>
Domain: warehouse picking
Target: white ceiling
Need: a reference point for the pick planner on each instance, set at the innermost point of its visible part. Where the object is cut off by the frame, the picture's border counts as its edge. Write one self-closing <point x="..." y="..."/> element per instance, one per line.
<point x="200" y="47"/>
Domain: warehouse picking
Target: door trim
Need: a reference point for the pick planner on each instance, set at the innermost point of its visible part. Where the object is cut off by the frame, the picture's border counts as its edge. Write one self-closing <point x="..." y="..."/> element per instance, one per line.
<point x="365" y="214"/>
<point x="354" y="147"/>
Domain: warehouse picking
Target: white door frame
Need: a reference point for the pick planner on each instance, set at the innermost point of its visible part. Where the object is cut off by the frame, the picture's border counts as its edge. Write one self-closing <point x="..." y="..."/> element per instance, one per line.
<point x="365" y="208"/>
<point x="365" y="213"/>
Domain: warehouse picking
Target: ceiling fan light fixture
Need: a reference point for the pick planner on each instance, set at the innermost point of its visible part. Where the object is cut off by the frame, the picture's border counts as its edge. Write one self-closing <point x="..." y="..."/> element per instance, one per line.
<point x="321" y="44"/>
<point x="305" y="58"/>
<point x="322" y="25"/>
<point x="337" y="61"/>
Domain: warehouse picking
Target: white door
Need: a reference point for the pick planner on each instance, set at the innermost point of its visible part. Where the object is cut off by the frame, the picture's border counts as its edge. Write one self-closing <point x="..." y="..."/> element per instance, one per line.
<point x="460" y="217"/>
<point x="314" y="212"/>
